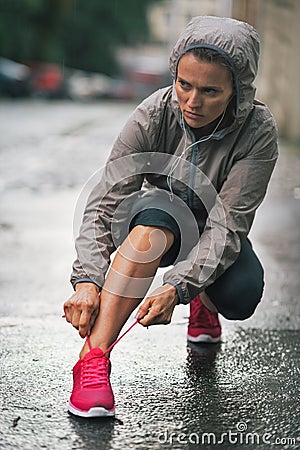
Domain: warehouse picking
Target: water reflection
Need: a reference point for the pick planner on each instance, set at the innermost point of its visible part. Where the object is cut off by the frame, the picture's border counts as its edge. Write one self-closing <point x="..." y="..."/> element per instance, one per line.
<point x="95" y="433"/>
<point x="202" y="391"/>
<point x="201" y="359"/>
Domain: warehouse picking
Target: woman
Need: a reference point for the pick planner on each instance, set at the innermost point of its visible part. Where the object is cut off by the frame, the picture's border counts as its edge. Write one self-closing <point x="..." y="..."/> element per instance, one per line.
<point x="181" y="187"/>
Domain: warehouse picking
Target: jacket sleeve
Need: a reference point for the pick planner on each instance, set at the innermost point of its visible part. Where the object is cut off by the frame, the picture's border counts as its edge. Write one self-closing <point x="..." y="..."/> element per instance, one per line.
<point x="230" y="218"/>
<point x="121" y="177"/>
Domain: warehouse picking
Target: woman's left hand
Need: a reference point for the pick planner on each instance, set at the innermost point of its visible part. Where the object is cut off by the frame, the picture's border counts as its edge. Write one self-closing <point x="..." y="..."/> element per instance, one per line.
<point x="158" y="307"/>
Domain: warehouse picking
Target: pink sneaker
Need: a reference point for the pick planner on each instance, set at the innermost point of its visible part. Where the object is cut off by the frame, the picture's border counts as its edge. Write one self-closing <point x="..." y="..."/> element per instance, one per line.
<point x="204" y="325"/>
<point x="92" y="395"/>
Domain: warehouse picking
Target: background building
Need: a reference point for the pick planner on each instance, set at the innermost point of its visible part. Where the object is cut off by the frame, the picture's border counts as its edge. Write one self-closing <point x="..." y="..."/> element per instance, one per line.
<point x="169" y="16"/>
<point x="279" y="76"/>
<point x="277" y="21"/>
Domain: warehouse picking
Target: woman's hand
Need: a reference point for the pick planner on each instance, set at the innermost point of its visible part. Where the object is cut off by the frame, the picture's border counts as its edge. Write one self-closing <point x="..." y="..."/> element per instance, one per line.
<point x="82" y="308"/>
<point x="158" y="307"/>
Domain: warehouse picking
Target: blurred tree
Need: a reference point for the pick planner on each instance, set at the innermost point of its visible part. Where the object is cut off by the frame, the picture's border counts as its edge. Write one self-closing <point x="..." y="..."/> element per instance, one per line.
<point x="82" y="33"/>
<point x="29" y="29"/>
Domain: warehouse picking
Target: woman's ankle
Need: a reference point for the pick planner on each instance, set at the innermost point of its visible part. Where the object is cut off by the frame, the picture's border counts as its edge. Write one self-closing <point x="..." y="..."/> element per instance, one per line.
<point x="85" y="349"/>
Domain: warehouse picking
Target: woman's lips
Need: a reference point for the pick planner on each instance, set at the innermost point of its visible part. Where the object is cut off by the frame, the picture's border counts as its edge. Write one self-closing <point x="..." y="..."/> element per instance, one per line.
<point x="192" y="115"/>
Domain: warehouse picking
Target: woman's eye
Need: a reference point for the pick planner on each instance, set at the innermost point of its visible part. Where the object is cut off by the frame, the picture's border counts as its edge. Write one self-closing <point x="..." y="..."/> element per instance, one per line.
<point x="210" y="91"/>
<point x="184" y="84"/>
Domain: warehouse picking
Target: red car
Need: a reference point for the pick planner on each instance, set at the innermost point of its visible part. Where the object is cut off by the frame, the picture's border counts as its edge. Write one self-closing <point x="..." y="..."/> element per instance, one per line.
<point x="47" y="79"/>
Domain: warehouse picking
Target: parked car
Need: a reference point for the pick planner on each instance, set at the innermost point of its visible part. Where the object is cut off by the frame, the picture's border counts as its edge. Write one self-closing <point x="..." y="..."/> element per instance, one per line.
<point x="121" y="89"/>
<point x="83" y="85"/>
<point x="14" y="78"/>
<point x="47" y="80"/>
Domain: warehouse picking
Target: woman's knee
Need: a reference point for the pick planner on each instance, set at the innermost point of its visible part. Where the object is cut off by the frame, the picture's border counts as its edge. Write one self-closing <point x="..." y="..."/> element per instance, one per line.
<point x="242" y="303"/>
<point x="239" y="290"/>
<point x="146" y="241"/>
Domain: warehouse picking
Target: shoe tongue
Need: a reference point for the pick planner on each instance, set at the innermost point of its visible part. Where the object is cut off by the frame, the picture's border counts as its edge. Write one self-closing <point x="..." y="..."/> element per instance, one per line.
<point x="94" y="352"/>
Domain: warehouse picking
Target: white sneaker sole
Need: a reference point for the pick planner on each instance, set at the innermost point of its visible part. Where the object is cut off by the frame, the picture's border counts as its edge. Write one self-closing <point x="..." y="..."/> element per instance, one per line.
<point x="204" y="339"/>
<point x="93" y="412"/>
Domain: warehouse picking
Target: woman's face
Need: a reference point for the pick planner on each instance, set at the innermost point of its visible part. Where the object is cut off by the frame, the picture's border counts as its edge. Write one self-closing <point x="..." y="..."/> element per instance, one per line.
<point x="203" y="88"/>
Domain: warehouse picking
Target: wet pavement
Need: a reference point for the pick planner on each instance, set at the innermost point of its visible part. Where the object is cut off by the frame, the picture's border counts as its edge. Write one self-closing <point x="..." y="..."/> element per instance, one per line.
<point x="242" y="393"/>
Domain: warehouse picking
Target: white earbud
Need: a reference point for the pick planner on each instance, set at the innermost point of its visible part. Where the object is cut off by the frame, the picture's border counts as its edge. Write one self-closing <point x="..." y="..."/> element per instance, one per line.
<point x="203" y="139"/>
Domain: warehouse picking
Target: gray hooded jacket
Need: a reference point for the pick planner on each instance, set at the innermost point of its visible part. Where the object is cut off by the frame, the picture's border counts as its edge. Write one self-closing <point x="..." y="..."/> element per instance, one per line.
<point x="222" y="178"/>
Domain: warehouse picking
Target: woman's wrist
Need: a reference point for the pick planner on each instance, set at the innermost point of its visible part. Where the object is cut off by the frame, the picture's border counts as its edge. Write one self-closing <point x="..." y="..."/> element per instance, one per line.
<point x="87" y="285"/>
<point x="173" y="290"/>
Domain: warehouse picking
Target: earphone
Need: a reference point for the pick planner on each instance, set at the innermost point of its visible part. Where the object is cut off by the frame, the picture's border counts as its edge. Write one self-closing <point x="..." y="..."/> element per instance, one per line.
<point x="176" y="162"/>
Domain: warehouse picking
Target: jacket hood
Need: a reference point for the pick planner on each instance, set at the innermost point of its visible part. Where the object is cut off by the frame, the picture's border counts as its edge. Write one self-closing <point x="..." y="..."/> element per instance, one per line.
<point x="237" y="41"/>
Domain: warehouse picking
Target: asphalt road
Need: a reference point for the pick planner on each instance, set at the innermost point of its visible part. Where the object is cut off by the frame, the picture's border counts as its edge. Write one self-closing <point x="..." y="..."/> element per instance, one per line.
<point x="243" y="393"/>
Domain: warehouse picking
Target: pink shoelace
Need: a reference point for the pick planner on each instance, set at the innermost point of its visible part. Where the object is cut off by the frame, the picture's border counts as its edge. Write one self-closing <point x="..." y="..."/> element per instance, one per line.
<point x="115" y="342"/>
<point x="95" y="374"/>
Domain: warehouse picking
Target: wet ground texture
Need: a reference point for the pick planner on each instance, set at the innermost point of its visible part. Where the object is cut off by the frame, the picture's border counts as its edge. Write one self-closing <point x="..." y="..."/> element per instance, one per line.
<point x="242" y="393"/>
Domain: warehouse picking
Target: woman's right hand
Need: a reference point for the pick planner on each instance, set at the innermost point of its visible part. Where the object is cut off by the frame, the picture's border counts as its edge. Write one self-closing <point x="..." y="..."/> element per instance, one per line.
<point x="81" y="310"/>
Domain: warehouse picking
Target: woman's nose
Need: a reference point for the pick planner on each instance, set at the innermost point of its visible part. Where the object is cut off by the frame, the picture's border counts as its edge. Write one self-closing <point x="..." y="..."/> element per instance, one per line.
<point x="194" y="100"/>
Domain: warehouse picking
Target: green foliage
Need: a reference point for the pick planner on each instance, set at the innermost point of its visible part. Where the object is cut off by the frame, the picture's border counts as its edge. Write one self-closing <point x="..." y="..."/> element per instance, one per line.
<point x="80" y="33"/>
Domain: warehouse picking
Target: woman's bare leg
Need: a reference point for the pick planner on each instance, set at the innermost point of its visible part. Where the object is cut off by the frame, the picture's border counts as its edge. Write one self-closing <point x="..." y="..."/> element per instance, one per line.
<point x="127" y="282"/>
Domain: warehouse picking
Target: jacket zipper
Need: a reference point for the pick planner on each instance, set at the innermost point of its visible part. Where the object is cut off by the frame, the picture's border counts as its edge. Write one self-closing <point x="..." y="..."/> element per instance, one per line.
<point x="190" y="192"/>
